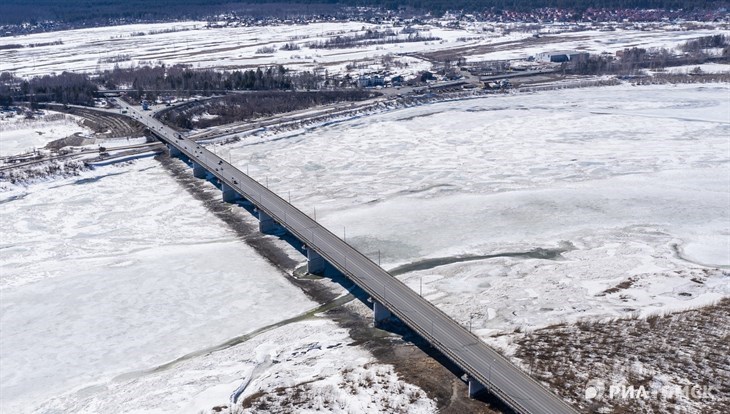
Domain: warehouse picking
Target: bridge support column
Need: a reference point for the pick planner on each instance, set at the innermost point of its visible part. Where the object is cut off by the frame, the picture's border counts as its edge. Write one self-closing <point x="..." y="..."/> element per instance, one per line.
<point x="315" y="262"/>
<point x="266" y="223"/>
<point x="380" y="312"/>
<point x="229" y="194"/>
<point x="475" y="387"/>
<point x="199" y="171"/>
<point x="174" y="152"/>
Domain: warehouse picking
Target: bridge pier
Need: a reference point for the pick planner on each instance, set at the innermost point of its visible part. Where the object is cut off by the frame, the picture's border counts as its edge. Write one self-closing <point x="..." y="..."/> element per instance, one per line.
<point x="380" y="312"/>
<point x="315" y="262"/>
<point x="475" y="387"/>
<point x="199" y="171"/>
<point x="229" y="194"/>
<point x="267" y="225"/>
<point x="173" y="151"/>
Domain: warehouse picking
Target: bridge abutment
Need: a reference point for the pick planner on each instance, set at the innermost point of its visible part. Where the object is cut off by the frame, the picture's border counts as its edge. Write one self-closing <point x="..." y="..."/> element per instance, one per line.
<point x="267" y="225"/>
<point x="229" y="194"/>
<point x="315" y="262"/>
<point x="475" y="387"/>
<point x="380" y="312"/>
<point x="199" y="171"/>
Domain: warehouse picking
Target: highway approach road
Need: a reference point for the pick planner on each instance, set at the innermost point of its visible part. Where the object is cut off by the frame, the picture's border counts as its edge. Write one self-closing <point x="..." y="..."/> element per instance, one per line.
<point x="479" y="361"/>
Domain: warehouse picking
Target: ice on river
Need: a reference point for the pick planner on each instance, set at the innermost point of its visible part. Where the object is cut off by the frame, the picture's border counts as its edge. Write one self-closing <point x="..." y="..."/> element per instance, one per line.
<point x="117" y="271"/>
<point x="628" y="182"/>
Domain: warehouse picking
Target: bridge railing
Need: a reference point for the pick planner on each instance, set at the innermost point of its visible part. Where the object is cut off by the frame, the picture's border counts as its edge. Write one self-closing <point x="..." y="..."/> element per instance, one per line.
<point x="342" y="267"/>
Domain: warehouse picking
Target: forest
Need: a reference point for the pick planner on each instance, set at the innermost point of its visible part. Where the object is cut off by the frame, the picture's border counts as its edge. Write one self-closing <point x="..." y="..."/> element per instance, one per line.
<point x="19" y="11"/>
<point x="237" y="107"/>
<point x="66" y="88"/>
<point x="150" y="82"/>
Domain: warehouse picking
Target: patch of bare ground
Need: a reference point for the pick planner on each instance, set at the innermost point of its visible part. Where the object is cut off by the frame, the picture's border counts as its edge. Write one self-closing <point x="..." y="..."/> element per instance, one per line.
<point x="661" y="353"/>
<point x="621" y="286"/>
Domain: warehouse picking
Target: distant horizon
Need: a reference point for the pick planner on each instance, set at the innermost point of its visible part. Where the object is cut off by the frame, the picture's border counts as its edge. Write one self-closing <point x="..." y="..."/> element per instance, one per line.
<point x="95" y="12"/>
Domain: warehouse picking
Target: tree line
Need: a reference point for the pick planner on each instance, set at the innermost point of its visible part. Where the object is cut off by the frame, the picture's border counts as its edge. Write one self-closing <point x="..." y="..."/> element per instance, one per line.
<point x="237" y="107"/>
<point x="634" y="59"/>
<point x="183" y="79"/>
<point x="65" y="88"/>
<point x="707" y="42"/>
<point x="371" y="37"/>
<point x="151" y="82"/>
<point x="20" y="11"/>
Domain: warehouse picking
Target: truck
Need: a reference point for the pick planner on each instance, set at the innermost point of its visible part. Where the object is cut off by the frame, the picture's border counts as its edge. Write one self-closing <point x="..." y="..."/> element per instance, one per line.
<point x="145" y="105"/>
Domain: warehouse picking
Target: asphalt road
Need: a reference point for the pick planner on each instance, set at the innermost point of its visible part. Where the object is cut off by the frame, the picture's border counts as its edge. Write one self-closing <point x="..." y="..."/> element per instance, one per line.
<point x="478" y="360"/>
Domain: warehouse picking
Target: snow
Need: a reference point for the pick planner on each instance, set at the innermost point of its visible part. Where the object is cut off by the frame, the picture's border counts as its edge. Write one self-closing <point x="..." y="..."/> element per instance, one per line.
<point x="705" y="68"/>
<point x="625" y="181"/>
<point x="19" y="135"/>
<point x="315" y="356"/>
<point x="708" y="249"/>
<point x="108" y="277"/>
<point x="598" y="41"/>
<point x="150" y="304"/>
<point x="117" y="271"/>
<point x="231" y="47"/>
<point x="94" y="49"/>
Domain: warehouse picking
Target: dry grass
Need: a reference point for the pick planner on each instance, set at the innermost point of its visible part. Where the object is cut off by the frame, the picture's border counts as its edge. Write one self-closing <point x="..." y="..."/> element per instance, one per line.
<point x="684" y="348"/>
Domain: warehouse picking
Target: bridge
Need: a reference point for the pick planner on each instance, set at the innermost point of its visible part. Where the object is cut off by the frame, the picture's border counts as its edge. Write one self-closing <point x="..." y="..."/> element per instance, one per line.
<point x="485" y="368"/>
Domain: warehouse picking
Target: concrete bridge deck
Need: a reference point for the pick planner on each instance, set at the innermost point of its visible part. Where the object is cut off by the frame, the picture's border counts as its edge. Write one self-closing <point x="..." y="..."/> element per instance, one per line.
<point x="486" y="368"/>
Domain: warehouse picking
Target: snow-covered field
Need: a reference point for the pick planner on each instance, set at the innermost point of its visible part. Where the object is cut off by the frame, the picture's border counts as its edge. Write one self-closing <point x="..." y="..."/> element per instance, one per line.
<point x="18" y="134"/>
<point x="90" y="50"/>
<point x="629" y="183"/>
<point x="705" y="68"/>
<point x="597" y="41"/>
<point x="221" y="48"/>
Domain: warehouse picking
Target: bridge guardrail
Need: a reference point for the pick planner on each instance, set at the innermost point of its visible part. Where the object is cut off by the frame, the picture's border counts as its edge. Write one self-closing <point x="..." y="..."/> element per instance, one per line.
<point x="445" y="350"/>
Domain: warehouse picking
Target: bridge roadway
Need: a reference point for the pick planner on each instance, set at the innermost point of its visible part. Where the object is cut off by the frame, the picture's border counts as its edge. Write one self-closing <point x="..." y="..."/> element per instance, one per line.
<point x="479" y="361"/>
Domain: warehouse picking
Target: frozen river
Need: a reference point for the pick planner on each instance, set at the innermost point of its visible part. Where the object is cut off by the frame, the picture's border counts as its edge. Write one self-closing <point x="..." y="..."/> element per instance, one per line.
<point x="612" y="183"/>
<point x="118" y="271"/>
<point x="507" y="211"/>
